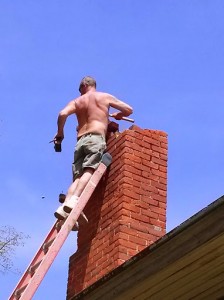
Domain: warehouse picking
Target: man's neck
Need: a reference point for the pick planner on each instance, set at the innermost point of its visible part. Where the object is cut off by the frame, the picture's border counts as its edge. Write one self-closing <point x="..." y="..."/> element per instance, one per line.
<point x="89" y="89"/>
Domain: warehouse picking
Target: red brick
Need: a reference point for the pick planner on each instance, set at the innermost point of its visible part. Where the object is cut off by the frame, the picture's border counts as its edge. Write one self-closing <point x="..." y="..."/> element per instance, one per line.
<point x="138" y="226"/>
<point x="159" y="161"/>
<point x="131" y="194"/>
<point x="147" y="133"/>
<point x="162" y="218"/>
<point x="163" y="180"/>
<point x="150" y="201"/>
<point x="164" y="145"/>
<point x="150" y="214"/>
<point x="122" y="256"/>
<point x="140" y="217"/>
<point x="137" y="240"/>
<point x="158" y="210"/>
<point x="151" y="141"/>
<point x="156" y="233"/>
<point x="140" y="248"/>
<point x="140" y="179"/>
<point x="125" y="150"/>
<point x="127" y="230"/>
<point x="128" y="244"/>
<point x="162" y="205"/>
<point x="150" y="164"/>
<point x="158" y="185"/>
<point x="120" y="262"/>
<point x="133" y="146"/>
<point x="131" y="207"/>
<point x="163" y="157"/>
<point x="132" y="158"/>
<point x="157" y="223"/>
<point x="139" y="154"/>
<point x="160" y="150"/>
<point x="132" y="252"/>
<point x="127" y="174"/>
<point x="160" y="198"/>
<point x="130" y="181"/>
<point x="147" y="153"/>
<point x="150" y="176"/>
<point x="138" y="136"/>
<point x="150" y="188"/>
<point x="163" y="169"/>
<point x="159" y="173"/>
<point x="131" y="169"/>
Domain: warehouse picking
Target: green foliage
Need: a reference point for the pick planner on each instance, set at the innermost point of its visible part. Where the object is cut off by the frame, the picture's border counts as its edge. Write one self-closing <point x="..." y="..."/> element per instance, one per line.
<point x="10" y="239"/>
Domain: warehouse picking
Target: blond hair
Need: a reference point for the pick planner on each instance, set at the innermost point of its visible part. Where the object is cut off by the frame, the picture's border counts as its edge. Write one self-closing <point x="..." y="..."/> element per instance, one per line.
<point x="87" y="80"/>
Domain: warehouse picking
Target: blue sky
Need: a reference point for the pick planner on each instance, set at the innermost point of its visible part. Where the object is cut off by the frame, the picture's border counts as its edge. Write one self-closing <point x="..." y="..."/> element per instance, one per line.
<point x="164" y="57"/>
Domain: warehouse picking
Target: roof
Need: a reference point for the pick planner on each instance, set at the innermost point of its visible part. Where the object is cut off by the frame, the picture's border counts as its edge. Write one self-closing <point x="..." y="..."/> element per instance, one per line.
<point x="186" y="263"/>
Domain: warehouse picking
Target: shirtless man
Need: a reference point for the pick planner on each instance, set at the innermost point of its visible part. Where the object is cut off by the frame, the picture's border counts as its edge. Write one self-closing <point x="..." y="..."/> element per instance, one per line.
<point x="92" y="112"/>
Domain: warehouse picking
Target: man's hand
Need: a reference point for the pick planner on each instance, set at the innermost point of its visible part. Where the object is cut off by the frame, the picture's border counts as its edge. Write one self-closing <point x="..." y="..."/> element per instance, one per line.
<point x="117" y="115"/>
<point x="58" y="138"/>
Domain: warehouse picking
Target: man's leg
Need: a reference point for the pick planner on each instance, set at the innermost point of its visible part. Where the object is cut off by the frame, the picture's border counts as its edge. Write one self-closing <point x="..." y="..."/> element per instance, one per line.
<point x="77" y="190"/>
<point x="83" y="180"/>
<point x="72" y="188"/>
<point x="60" y="213"/>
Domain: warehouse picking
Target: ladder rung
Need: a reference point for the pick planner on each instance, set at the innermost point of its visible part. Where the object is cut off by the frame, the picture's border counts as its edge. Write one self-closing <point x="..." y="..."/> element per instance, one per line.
<point x="47" y="245"/>
<point x="33" y="268"/>
<point x="20" y="291"/>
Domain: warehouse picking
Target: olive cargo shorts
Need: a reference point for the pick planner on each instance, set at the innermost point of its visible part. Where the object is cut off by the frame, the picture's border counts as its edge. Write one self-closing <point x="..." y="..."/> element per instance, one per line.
<point x="88" y="153"/>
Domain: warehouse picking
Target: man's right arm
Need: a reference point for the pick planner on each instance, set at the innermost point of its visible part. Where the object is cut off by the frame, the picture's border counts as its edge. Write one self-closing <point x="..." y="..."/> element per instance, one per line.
<point x="124" y="108"/>
<point x="69" y="109"/>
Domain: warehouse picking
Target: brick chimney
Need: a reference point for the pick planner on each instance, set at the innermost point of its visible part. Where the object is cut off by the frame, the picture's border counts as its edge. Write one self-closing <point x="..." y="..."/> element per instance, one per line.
<point x="127" y="211"/>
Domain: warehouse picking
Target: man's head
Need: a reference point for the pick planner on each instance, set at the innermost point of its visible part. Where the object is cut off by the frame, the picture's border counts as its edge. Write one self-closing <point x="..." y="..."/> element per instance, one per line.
<point x="86" y="84"/>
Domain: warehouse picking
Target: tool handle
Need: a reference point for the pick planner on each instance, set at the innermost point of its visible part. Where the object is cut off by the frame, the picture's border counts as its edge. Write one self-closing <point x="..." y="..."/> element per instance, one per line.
<point x="124" y="118"/>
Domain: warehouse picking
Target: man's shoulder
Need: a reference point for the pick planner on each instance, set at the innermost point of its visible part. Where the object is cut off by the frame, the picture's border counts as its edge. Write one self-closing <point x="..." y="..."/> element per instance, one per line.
<point x="103" y="94"/>
<point x="97" y="94"/>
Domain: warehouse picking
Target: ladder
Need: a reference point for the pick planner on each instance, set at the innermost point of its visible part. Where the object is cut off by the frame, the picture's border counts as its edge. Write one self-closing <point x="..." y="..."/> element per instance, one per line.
<point x="52" y="244"/>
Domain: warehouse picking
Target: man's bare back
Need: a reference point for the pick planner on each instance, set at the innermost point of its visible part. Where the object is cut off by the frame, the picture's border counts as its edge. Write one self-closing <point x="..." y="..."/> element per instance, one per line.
<point x="92" y="112"/>
<point x="92" y="109"/>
